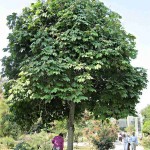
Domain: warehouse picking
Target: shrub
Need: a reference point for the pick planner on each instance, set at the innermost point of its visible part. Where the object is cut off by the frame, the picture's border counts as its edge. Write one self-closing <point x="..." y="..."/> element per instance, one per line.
<point x="146" y="127"/>
<point x="102" y="135"/>
<point x="41" y="141"/>
<point x="8" y="142"/>
<point x="23" y="146"/>
<point x="8" y="127"/>
<point x="77" y="135"/>
<point x="146" y="142"/>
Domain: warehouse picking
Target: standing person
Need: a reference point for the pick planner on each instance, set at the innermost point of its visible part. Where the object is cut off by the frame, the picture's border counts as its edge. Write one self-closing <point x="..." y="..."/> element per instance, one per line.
<point x="134" y="141"/>
<point x="120" y="137"/>
<point x="58" y="142"/>
<point x="129" y="141"/>
<point x="125" y="142"/>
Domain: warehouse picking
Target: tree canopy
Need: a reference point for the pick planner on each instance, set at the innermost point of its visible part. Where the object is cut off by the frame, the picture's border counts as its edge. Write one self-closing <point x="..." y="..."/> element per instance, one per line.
<point x="64" y="51"/>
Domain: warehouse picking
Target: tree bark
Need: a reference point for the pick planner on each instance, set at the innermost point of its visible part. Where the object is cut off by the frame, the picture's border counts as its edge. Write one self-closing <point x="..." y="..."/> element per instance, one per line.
<point x="71" y="126"/>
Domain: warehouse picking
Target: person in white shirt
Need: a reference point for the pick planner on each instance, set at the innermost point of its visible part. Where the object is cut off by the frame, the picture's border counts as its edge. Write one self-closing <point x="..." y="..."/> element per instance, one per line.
<point x="133" y="141"/>
<point x="125" y="142"/>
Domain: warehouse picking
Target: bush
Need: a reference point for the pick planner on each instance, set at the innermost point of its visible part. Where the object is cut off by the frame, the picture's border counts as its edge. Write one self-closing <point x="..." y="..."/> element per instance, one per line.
<point x="8" y="127"/>
<point x="146" y="142"/>
<point x="102" y="135"/>
<point x="7" y="142"/>
<point x="104" y="144"/>
<point x="146" y="127"/>
<point x="23" y="146"/>
<point x="41" y="141"/>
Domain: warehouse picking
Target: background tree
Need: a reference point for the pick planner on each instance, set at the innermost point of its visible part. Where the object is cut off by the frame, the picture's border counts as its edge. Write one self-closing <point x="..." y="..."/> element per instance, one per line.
<point x="67" y="56"/>
<point x="146" y="128"/>
<point x="146" y="113"/>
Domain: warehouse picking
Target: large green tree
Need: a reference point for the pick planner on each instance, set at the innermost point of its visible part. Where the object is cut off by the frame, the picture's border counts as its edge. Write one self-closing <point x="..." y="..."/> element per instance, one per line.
<point x="67" y="56"/>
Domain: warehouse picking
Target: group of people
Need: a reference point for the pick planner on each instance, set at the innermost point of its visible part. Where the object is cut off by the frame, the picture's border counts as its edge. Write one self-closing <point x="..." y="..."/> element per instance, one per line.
<point x="130" y="142"/>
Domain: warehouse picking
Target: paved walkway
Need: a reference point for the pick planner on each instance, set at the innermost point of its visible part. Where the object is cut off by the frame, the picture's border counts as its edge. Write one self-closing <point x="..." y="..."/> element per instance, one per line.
<point x="119" y="146"/>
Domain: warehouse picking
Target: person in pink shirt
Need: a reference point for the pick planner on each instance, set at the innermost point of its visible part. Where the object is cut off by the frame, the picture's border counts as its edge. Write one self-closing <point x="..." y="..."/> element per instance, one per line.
<point x="58" y="142"/>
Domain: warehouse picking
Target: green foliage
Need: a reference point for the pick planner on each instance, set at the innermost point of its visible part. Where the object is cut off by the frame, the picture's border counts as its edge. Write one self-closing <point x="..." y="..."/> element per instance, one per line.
<point x="59" y="127"/>
<point x="1" y="87"/>
<point x="8" y="127"/>
<point x="130" y="129"/>
<point x="70" y="50"/>
<point x="9" y="130"/>
<point x="7" y="142"/>
<point x="101" y="134"/>
<point x="146" y="127"/>
<point x="3" y="108"/>
<point x="146" y="113"/>
<point x="2" y="81"/>
<point x="78" y="134"/>
<point x="146" y="142"/>
<point x="23" y="146"/>
<point x="41" y="141"/>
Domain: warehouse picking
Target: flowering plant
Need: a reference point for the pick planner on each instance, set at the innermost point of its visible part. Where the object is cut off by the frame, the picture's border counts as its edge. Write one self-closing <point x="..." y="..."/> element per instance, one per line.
<point x="101" y="134"/>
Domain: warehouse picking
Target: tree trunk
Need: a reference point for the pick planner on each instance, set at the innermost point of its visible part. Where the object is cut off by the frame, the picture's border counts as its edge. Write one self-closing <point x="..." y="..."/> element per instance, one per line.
<point x="71" y="126"/>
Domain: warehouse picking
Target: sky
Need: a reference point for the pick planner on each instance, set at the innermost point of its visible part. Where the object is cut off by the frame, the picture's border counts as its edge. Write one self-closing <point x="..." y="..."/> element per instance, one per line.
<point x="135" y="19"/>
